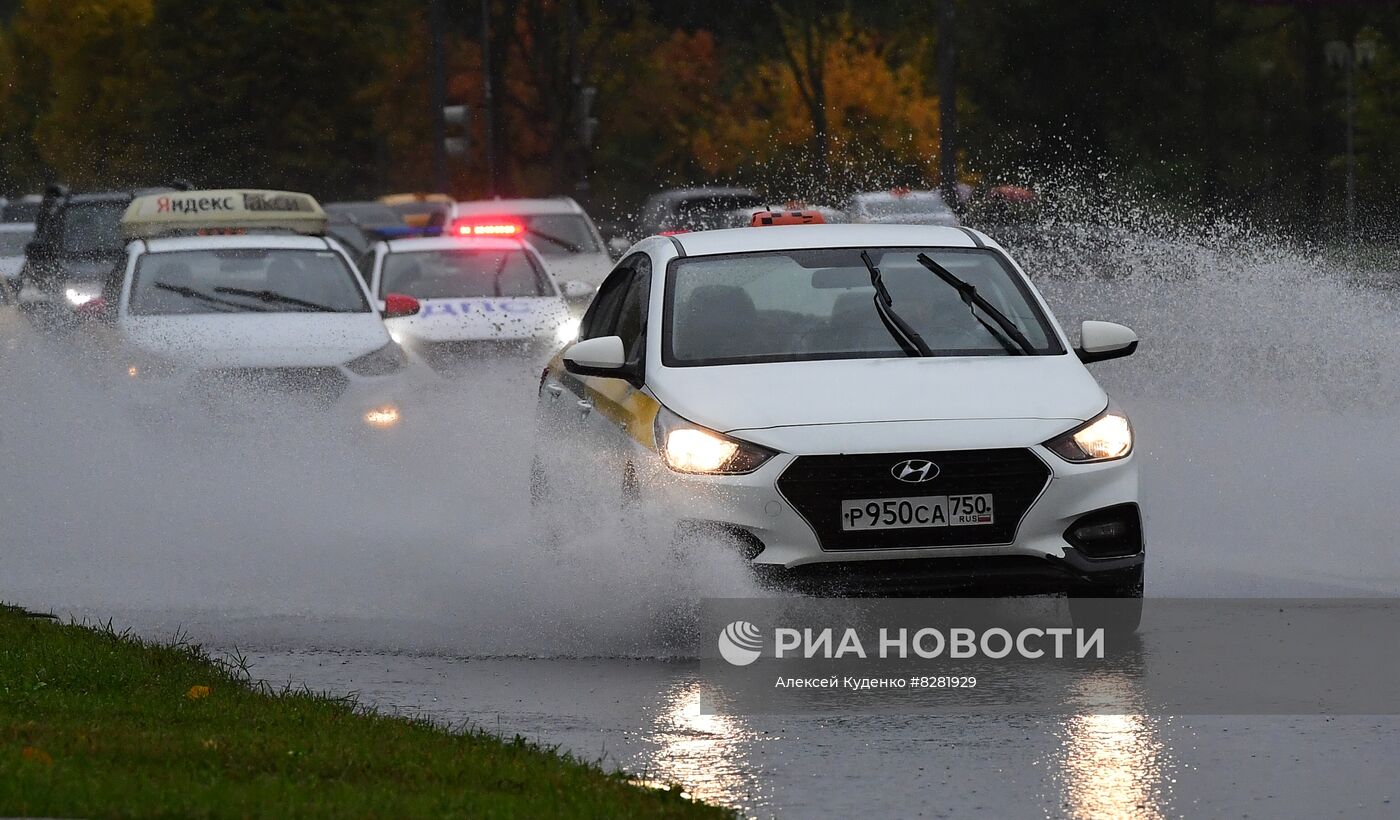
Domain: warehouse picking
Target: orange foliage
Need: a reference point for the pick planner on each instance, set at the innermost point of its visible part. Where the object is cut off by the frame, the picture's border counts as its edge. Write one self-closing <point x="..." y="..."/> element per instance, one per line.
<point x="878" y="114"/>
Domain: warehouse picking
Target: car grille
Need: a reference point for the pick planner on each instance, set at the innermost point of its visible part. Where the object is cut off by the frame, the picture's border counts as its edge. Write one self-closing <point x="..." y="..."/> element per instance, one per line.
<point x="320" y="386"/>
<point x="816" y="485"/>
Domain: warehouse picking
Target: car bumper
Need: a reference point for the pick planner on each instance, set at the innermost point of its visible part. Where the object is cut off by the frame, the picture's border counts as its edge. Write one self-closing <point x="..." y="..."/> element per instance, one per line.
<point x="784" y="546"/>
<point x="374" y="407"/>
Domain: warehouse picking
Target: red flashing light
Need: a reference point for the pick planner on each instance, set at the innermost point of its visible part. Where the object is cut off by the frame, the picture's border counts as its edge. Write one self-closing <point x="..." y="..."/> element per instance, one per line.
<point x="674" y="233"/>
<point x="488" y="229"/>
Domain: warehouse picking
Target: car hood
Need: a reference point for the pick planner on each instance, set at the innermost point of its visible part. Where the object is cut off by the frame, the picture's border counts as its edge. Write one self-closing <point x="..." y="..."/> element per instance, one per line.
<point x="1048" y="392"/>
<point x="256" y="340"/>
<point x="444" y="320"/>
<point x="585" y="267"/>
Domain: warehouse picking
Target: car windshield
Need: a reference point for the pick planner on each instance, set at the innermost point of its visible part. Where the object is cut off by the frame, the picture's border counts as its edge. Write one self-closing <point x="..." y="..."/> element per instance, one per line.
<point x="819" y="304"/>
<point x="12" y="242"/>
<point x="460" y="273"/>
<point x="903" y="205"/>
<point x="238" y="280"/>
<point x="93" y="227"/>
<point x="551" y="234"/>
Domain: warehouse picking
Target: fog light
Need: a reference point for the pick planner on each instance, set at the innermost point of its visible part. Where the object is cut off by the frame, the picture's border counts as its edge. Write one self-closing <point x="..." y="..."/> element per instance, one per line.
<point x="1108" y="533"/>
<point x="386" y="416"/>
<point x="133" y="371"/>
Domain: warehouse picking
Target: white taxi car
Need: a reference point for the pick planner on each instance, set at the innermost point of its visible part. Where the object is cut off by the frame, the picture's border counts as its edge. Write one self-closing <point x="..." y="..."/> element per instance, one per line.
<point x="479" y="295"/>
<point x="887" y="408"/>
<point x="235" y="293"/>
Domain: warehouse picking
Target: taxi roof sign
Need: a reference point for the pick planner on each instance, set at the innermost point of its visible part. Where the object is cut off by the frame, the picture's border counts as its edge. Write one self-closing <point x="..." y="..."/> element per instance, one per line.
<point x="177" y="213"/>
<point x="794" y="217"/>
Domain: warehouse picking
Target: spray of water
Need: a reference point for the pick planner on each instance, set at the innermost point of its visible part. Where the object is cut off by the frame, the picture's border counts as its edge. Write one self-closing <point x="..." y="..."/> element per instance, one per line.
<point x="1263" y="394"/>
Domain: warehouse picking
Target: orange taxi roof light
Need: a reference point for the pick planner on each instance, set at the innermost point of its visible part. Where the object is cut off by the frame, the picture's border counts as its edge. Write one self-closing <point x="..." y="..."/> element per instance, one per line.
<point x="762" y="219"/>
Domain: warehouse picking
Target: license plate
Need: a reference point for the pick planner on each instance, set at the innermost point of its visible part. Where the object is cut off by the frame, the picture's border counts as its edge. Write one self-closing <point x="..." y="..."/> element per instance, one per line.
<point x="924" y="511"/>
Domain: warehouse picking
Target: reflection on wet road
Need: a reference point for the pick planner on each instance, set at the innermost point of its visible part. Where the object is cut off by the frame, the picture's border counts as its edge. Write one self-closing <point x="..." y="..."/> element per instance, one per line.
<point x="646" y="717"/>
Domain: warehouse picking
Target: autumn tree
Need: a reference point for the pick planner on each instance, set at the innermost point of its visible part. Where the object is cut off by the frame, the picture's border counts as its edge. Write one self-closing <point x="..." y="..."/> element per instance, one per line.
<point x="72" y="98"/>
<point x="880" y="122"/>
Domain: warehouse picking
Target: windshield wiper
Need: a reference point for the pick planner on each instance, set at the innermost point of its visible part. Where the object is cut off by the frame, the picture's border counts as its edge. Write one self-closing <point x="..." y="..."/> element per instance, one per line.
<point x="909" y="339"/>
<point x="275" y="297"/>
<point x="1004" y="330"/>
<point x="563" y="243"/>
<point x="191" y="293"/>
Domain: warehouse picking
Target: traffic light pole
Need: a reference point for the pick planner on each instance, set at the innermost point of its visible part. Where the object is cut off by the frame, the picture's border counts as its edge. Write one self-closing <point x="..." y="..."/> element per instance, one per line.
<point x="488" y="107"/>
<point x="437" y="91"/>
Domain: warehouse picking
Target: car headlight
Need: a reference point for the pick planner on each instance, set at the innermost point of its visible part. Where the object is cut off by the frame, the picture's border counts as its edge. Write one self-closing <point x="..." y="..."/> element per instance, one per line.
<point x="381" y="362"/>
<point x="690" y="448"/>
<point x="567" y="331"/>
<point x="1107" y="436"/>
<point x="383" y="417"/>
<point x="82" y="294"/>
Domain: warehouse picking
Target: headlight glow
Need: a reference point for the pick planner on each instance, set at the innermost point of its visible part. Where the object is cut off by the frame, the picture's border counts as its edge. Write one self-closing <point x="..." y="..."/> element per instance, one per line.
<point x="1105" y="437"/>
<point x="382" y="417"/>
<point x="567" y="331"/>
<point x="77" y="297"/>
<point x="697" y="451"/>
<point x="690" y="448"/>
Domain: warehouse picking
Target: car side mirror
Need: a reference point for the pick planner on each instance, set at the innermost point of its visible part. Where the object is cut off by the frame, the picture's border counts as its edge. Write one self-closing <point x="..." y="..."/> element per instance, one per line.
<point x="603" y="356"/>
<point x="575" y="289"/>
<point x="618" y="245"/>
<point x="1101" y="341"/>
<point x="398" y="305"/>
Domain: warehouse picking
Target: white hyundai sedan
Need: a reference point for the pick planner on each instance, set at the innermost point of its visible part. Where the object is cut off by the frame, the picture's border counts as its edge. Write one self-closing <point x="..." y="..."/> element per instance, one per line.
<point x="883" y="408"/>
<point x="267" y="310"/>
<point x="479" y="295"/>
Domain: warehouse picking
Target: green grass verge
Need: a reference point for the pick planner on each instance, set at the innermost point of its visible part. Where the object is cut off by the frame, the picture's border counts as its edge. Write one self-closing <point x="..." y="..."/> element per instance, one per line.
<point x="97" y="724"/>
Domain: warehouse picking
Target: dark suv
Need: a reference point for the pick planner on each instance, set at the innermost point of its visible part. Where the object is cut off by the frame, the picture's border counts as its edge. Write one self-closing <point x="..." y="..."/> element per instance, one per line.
<point x="76" y="249"/>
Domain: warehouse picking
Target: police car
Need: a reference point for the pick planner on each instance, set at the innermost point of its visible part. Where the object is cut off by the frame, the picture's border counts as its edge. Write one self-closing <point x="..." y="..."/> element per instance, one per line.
<point x="236" y="293"/>
<point x="881" y="408"/>
<point x="485" y="293"/>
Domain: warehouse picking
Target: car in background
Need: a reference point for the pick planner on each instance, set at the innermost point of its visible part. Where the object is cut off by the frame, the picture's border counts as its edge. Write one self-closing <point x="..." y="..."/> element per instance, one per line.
<point x="358" y="225"/>
<point x="420" y="210"/>
<point x="24" y="209"/>
<point x="76" y="253"/>
<point x="901" y="206"/>
<point x="862" y="408"/>
<point x="558" y="227"/>
<point x="14" y="236"/>
<point x="694" y="209"/>
<point x="480" y="295"/>
<point x="237" y="297"/>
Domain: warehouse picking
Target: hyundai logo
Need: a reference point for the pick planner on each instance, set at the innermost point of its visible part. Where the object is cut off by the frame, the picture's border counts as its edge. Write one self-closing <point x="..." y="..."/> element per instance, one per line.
<point x="915" y="471"/>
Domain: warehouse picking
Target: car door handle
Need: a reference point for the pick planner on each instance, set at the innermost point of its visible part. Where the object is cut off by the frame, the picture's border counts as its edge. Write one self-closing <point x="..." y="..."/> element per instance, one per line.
<point x="585" y="407"/>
